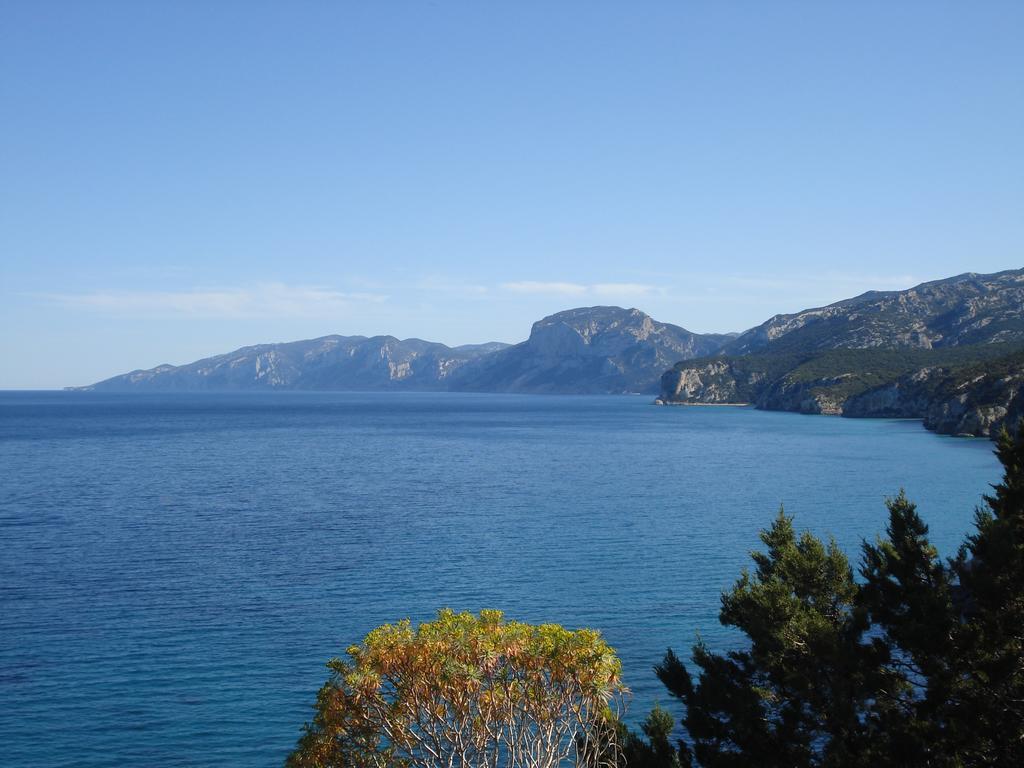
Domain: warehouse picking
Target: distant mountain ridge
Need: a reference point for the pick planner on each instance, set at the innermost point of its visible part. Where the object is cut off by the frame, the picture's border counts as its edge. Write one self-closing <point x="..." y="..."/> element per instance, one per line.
<point x="965" y="309"/>
<point x="329" y="362"/>
<point x="585" y="350"/>
<point x="947" y="352"/>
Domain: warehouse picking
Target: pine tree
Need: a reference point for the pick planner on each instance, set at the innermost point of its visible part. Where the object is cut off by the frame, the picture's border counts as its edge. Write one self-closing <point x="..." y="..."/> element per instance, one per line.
<point x="988" y="704"/>
<point x="656" y="750"/>
<point x="908" y="596"/>
<point x="922" y="664"/>
<point x="793" y="697"/>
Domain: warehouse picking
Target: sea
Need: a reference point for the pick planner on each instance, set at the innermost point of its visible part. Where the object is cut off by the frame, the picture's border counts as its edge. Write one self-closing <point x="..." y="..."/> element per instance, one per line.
<point x="176" y="570"/>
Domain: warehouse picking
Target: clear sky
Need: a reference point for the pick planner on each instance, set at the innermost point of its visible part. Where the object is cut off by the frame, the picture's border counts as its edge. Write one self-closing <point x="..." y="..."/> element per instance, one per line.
<point x="179" y="179"/>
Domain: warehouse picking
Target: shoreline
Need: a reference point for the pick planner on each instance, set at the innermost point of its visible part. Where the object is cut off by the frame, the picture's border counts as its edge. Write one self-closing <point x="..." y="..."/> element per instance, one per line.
<point x="659" y="401"/>
<point x="919" y="419"/>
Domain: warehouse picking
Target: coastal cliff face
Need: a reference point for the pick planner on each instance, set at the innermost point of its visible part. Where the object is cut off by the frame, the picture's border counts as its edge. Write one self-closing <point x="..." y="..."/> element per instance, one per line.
<point x="719" y="382"/>
<point x="950" y="397"/>
<point x="714" y="383"/>
<point x="906" y="398"/>
<point x="982" y="406"/>
<point x="813" y="396"/>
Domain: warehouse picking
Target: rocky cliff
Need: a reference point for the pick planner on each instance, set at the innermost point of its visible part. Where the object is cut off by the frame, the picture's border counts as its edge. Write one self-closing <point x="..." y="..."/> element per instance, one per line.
<point x="714" y="382"/>
<point x="973" y="390"/>
<point x="588" y="350"/>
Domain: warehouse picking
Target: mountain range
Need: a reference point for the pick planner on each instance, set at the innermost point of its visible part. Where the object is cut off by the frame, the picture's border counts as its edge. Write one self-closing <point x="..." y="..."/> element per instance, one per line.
<point x="950" y="352"/>
<point x="586" y="350"/>
<point x="329" y="362"/>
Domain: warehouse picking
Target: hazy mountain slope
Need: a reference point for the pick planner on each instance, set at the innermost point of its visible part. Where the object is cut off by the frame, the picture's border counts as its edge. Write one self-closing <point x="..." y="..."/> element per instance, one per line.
<point x="330" y="362"/>
<point x="966" y="309"/>
<point x="588" y="350"/>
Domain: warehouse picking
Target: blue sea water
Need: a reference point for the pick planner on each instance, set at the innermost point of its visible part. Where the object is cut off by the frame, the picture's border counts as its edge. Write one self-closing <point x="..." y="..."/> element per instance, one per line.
<point x="176" y="569"/>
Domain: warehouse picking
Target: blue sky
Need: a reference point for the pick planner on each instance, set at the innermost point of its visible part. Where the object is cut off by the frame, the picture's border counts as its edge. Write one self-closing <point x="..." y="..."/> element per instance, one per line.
<point x="178" y="179"/>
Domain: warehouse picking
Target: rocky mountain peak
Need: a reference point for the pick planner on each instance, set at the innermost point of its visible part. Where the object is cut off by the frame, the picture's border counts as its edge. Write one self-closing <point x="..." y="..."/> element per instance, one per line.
<point x="589" y="322"/>
<point x="589" y="349"/>
<point x="596" y="330"/>
<point x="965" y="309"/>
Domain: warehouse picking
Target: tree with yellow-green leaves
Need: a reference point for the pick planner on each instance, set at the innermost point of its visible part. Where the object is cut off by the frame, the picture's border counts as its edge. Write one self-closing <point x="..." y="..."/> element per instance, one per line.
<point x="467" y="691"/>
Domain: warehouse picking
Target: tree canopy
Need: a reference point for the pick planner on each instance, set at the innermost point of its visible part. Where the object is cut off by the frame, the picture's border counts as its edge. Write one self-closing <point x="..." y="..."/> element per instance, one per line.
<point x="467" y="691"/>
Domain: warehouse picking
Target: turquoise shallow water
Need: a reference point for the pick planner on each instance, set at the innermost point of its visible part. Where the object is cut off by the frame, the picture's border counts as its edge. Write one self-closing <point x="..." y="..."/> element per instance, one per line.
<point x="175" y="570"/>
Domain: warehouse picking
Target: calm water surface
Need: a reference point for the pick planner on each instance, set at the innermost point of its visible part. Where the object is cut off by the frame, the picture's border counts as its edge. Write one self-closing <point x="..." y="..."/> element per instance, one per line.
<point x="175" y="570"/>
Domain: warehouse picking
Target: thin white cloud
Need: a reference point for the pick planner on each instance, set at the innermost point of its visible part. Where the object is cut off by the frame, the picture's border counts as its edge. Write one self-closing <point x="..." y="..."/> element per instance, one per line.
<point x="579" y="289"/>
<point x="622" y="289"/>
<point x="531" y="286"/>
<point x="261" y="300"/>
